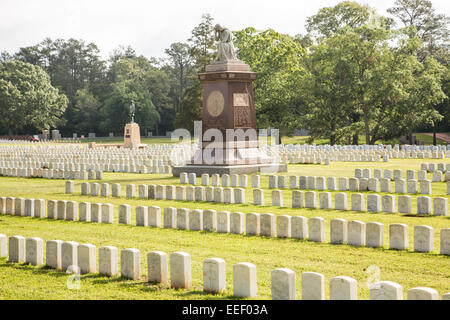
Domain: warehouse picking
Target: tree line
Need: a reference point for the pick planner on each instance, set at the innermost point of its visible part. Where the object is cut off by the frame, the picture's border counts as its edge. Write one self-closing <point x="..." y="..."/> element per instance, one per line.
<point x="353" y="73"/>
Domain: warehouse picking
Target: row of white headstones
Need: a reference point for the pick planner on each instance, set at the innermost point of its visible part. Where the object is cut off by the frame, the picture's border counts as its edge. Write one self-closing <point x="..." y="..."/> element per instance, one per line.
<point x="354" y="232"/>
<point x="82" y="258"/>
<point x="375" y="203"/>
<point x="318" y="183"/>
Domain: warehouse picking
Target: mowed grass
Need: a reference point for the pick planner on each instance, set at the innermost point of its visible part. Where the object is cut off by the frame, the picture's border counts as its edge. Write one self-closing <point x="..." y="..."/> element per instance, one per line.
<point x="408" y="268"/>
<point x="428" y="140"/>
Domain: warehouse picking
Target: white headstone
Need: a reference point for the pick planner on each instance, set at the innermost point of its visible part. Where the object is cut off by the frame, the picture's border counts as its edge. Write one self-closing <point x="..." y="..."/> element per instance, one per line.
<point x="398" y="236"/>
<point x="87" y="258"/>
<point x="440" y="206"/>
<point x="53" y="254"/>
<point x="108" y="261"/>
<point x="385" y="290"/>
<point x="210" y="220"/>
<point x="310" y="199"/>
<point x="356" y="233"/>
<point x="69" y="254"/>
<point x="223" y="221"/>
<point x="283" y="226"/>
<point x="196" y="219"/>
<point x="283" y="284"/>
<point x="180" y="270"/>
<point x="424" y="205"/>
<point x="267" y="227"/>
<point x="423" y="238"/>
<point x="338" y="231"/>
<point x="340" y="201"/>
<point x="374" y="234"/>
<point x="157" y="267"/>
<point x="325" y="200"/>
<point x="313" y="286"/>
<point x="244" y="280"/>
<point x="252" y="223"/>
<point x="125" y="213"/>
<point x="445" y="241"/>
<point x="357" y="202"/>
<point x="343" y="288"/>
<point x="422" y="293"/>
<point x="130" y="263"/>
<point x="170" y="220"/>
<point x="183" y="218"/>
<point x="298" y="227"/>
<point x="316" y="228"/>
<point x="34" y="249"/>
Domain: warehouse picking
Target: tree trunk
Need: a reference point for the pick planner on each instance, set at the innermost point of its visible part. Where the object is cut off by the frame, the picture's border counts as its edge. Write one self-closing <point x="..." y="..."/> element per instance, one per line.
<point x="355" y="139"/>
<point x="10" y="132"/>
<point x="180" y="98"/>
<point x="279" y="139"/>
<point x="410" y="137"/>
<point x="434" y="135"/>
<point x="332" y="139"/>
<point x="156" y="129"/>
<point x="366" y="127"/>
<point x="349" y="138"/>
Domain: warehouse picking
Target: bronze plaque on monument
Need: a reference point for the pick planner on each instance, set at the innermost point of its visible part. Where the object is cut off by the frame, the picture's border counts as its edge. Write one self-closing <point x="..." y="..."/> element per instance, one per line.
<point x="228" y="97"/>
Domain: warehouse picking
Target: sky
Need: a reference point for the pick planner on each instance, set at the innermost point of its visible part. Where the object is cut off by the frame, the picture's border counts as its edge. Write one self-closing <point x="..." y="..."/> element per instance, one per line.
<point x="151" y="26"/>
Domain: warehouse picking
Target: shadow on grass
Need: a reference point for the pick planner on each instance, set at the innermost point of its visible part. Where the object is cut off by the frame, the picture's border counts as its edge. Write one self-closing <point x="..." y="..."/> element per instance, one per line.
<point x="197" y="292"/>
<point x="418" y="215"/>
<point x="36" y="270"/>
<point x="143" y="177"/>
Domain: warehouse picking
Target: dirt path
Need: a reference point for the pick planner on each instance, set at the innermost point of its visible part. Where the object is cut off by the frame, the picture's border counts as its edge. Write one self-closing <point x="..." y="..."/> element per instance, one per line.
<point x="443" y="136"/>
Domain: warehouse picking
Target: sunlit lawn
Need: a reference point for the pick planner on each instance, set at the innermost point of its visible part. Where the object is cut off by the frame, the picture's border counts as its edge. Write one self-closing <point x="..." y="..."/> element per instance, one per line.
<point x="408" y="268"/>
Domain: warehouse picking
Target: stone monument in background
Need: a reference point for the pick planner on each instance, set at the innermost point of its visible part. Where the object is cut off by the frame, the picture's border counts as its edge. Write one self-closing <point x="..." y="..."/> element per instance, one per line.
<point x="132" y="134"/>
<point x="228" y="104"/>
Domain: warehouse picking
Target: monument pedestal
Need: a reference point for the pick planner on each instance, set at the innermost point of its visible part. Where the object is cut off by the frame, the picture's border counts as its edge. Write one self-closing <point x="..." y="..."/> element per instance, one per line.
<point x="228" y="104"/>
<point x="132" y="136"/>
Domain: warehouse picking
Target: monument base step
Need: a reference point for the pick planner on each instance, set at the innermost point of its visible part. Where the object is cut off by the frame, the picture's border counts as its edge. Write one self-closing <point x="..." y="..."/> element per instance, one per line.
<point x="237" y="169"/>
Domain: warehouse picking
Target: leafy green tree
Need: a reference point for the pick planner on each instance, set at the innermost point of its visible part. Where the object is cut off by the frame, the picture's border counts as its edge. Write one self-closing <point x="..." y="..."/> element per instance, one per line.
<point x="5" y="56"/>
<point x="430" y="27"/>
<point x="201" y="51"/>
<point x="357" y="73"/>
<point x="421" y="20"/>
<point x="117" y="106"/>
<point x="120" y="53"/>
<point x="333" y="21"/>
<point x="422" y="87"/>
<point x="86" y="111"/>
<point x="191" y="108"/>
<point x="346" y="14"/>
<point x="202" y="43"/>
<point x="158" y="84"/>
<point x="151" y="94"/>
<point x="27" y="97"/>
<point x="326" y="90"/>
<point x="277" y="58"/>
<point x="179" y="66"/>
<point x="72" y="65"/>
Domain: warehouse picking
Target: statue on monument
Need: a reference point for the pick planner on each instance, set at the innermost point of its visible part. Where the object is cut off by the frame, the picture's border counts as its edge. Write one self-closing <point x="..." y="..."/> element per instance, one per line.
<point x="132" y="111"/>
<point x="228" y="107"/>
<point x="225" y="47"/>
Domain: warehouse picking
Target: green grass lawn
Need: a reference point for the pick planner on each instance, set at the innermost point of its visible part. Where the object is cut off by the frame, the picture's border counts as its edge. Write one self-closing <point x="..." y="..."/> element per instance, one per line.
<point x="408" y="268"/>
<point x="362" y="140"/>
<point x="428" y="139"/>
